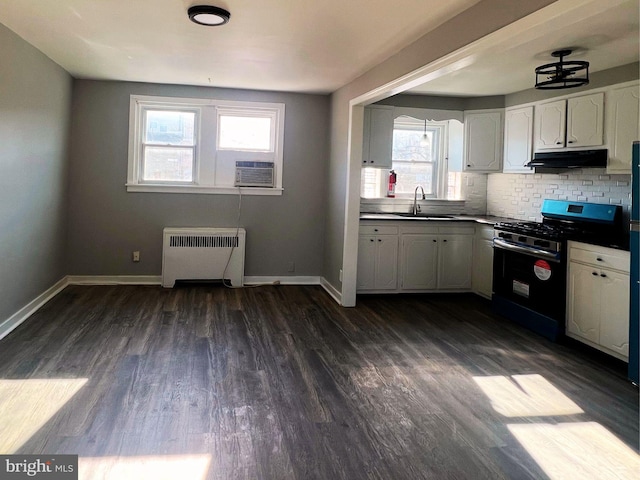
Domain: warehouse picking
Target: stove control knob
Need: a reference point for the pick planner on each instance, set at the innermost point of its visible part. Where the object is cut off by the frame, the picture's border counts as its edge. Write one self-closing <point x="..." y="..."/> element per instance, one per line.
<point x="522" y="239"/>
<point x="541" y="243"/>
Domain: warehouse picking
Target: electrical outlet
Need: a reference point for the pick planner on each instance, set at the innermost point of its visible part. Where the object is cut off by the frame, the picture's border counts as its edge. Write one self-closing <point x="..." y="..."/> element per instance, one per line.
<point x="340" y="274"/>
<point x="291" y="267"/>
<point x="136" y="256"/>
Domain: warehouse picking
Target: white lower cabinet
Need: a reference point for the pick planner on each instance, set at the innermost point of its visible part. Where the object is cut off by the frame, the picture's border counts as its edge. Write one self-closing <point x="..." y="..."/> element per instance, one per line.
<point x="598" y="298"/>
<point x="455" y="257"/>
<point x="426" y="258"/>
<point x="482" y="273"/>
<point x="419" y="262"/>
<point x="378" y="261"/>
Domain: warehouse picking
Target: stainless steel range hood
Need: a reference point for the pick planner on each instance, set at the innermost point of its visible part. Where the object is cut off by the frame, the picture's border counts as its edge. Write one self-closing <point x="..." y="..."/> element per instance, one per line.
<point x="569" y="159"/>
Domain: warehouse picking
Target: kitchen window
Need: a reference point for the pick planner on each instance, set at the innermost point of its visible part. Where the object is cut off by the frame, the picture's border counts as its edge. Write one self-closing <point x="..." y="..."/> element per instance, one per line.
<point x="418" y="158"/>
<point x="417" y="155"/>
<point x="188" y="145"/>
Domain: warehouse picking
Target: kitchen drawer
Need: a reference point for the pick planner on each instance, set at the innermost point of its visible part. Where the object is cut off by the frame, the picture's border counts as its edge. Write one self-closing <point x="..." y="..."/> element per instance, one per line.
<point x="378" y="230"/>
<point x="601" y="257"/>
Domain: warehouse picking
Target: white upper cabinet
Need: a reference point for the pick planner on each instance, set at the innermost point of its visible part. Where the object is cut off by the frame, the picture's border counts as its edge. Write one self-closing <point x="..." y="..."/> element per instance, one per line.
<point x="483" y="141"/>
<point x="378" y="136"/>
<point x="518" y="139"/>
<point x="623" y="114"/>
<point x="585" y="121"/>
<point x="576" y="122"/>
<point x="551" y="120"/>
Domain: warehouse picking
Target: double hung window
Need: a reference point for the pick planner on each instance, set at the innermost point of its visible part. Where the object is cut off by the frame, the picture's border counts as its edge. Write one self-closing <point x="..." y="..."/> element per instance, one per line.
<point x="187" y="145"/>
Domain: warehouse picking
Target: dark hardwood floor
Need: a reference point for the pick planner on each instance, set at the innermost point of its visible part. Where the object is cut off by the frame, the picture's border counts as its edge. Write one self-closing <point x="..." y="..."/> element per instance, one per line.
<point x="281" y="383"/>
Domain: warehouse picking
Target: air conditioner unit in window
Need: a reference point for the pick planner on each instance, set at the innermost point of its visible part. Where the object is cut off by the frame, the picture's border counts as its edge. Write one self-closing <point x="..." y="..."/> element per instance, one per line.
<point x="254" y="174"/>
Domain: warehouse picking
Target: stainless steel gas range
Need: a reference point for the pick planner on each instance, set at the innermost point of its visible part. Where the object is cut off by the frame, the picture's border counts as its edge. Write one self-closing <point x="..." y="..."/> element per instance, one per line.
<point x="530" y="264"/>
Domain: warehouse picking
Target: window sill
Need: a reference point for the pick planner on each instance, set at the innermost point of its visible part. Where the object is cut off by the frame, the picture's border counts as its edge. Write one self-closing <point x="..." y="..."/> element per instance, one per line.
<point x="198" y="189"/>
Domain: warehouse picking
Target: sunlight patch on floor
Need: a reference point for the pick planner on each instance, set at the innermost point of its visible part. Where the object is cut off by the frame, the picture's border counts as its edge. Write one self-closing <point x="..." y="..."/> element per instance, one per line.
<point x="578" y="451"/>
<point x="26" y="405"/>
<point x="147" y="467"/>
<point x="526" y="396"/>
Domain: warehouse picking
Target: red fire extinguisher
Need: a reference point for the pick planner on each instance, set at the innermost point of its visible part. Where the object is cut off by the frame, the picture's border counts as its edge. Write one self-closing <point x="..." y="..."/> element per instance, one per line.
<point x="391" y="191"/>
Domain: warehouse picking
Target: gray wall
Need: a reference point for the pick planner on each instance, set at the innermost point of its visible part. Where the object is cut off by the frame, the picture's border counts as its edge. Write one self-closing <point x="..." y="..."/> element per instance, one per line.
<point x="35" y="97"/>
<point x="106" y="223"/>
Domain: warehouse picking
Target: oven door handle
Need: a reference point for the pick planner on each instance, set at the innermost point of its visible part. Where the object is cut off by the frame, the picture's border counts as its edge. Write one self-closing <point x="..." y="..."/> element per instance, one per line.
<point x="533" y="252"/>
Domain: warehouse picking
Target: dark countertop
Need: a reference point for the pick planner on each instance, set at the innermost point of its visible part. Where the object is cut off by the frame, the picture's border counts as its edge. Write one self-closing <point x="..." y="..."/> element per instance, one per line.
<point x="484" y="219"/>
<point x="617" y="242"/>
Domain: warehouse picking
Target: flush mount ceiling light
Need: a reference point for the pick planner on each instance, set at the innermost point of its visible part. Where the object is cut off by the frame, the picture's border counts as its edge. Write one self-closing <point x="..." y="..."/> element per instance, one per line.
<point x="570" y="74"/>
<point x="208" y="15"/>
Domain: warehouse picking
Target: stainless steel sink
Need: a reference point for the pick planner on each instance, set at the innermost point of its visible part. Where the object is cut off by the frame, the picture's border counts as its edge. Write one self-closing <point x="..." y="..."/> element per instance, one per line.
<point x="425" y="215"/>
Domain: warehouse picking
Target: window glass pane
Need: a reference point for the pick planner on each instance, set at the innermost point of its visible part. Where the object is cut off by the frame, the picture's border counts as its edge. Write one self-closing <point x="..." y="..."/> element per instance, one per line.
<point x="168" y="164"/>
<point x="414" y="158"/>
<point x="410" y="175"/>
<point x="170" y="127"/>
<point x="245" y="133"/>
<point x="408" y="145"/>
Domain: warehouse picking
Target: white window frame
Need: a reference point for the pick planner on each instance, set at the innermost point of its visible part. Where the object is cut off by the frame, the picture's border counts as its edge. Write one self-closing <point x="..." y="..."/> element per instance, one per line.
<point x="207" y="155"/>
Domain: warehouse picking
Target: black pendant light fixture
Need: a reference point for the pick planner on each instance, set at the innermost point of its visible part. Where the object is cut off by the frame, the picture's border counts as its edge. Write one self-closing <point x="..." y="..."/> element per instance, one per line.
<point x="208" y="15"/>
<point x="562" y="74"/>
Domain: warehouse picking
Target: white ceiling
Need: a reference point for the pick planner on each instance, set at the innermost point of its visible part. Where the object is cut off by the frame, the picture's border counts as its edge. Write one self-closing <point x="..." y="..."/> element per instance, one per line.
<point x="605" y="37"/>
<point x="287" y="45"/>
<point x="300" y="45"/>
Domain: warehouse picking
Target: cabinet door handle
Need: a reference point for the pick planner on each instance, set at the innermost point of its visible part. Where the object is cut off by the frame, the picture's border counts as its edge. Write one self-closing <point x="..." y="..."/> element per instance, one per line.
<point x="379" y="239"/>
<point x="435" y="240"/>
<point x="444" y="240"/>
<point x="599" y="259"/>
<point x="375" y="229"/>
<point x="595" y="274"/>
<point x="558" y="143"/>
<point x="371" y="240"/>
<point x="603" y="275"/>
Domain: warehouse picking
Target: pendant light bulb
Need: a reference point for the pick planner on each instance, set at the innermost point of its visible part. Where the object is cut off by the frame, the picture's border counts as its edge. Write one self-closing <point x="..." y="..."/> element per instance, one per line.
<point x="424" y="141"/>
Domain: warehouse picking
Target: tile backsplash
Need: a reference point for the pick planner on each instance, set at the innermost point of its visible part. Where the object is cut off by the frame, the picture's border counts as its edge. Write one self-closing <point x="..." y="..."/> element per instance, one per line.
<point x="520" y="196"/>
<point x="474" y="192"/>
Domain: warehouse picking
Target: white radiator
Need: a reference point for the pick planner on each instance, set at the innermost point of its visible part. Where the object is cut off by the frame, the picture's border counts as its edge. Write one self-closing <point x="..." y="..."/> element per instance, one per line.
<point x="202" y="254"/>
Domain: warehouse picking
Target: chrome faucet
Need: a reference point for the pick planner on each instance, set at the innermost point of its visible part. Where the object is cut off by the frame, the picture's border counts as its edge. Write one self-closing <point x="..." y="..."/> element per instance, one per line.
<point x="416" y="207"/>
